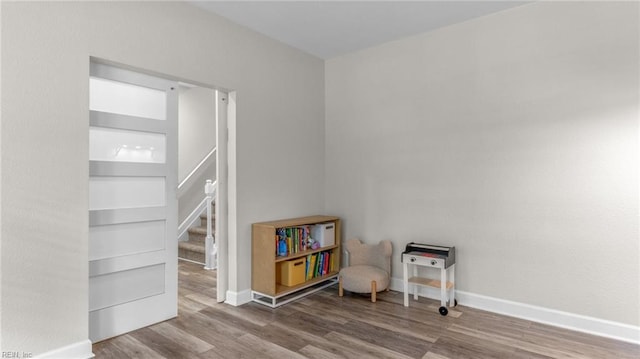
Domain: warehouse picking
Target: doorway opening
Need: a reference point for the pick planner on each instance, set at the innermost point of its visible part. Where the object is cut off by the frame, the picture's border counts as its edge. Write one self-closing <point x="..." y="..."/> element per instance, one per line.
<point x="202" y="111"/>
<point x="197" y="152"/>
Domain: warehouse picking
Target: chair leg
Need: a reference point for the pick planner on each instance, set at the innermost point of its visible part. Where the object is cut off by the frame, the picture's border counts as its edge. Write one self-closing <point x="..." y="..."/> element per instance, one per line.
<point x="340" y="292"/>
<point x="373" y="291"/>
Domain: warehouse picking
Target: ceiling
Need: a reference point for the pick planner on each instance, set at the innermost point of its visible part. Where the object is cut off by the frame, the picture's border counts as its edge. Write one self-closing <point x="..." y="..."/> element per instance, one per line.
<point x="332" y="28"/>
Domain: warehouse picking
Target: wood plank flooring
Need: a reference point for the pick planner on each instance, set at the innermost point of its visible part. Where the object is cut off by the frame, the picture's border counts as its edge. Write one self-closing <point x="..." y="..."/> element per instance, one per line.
<point x="326" y="326"/>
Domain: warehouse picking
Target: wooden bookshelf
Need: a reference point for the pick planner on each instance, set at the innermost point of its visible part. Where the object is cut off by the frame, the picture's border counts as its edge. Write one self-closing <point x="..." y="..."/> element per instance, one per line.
<point x="265" y="288"/>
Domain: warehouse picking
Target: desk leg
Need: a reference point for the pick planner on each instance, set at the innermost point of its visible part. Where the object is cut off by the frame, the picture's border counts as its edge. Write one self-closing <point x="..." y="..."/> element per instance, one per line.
<point x="415" y="286"/>
<point x="443" y="287"/>
<point x="405" y="283"/>
<point x="452" y="276"/>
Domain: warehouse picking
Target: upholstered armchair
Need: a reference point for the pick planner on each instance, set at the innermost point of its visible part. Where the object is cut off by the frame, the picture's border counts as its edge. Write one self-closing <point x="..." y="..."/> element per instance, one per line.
<point x="368" y="269"/>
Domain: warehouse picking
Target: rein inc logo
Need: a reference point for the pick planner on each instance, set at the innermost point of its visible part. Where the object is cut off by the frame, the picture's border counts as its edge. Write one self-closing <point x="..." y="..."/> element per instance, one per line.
<point x="17" y="354"/>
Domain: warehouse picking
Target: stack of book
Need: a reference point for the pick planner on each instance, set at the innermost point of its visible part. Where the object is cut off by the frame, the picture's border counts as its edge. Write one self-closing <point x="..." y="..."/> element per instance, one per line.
<point x="319" y="264"/>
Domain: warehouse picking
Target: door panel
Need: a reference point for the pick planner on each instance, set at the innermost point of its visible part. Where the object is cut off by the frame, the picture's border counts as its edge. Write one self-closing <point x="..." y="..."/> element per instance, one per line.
<point x="125" y="286"/>
<point x="133" y="205"/>
<point x="107" y="192"/>
<point x="126" y="238"/>
<point x="108" y="144"/>
<point x="128" y="215"/>
<point x="123" y="263"/>
<point x="126" y="99"/>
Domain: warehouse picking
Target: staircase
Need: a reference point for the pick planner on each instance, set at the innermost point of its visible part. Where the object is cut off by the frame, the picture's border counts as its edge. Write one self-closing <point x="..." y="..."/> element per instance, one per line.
<point x="194" y="248"/>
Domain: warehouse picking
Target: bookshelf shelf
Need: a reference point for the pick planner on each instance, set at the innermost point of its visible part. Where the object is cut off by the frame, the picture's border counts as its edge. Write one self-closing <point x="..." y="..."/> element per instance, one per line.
<point x="267" y="286"/>
<point x="303" y="253"/>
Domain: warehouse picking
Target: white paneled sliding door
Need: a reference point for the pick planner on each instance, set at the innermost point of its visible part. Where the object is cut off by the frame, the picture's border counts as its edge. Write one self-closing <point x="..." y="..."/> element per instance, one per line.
<point x="132" y="201"/>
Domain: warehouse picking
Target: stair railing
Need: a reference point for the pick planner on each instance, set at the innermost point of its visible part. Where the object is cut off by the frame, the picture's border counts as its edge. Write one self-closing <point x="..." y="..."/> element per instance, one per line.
<point x="186" y="187"/>
<point x="183" y="228"/>
<point x="201" y="165"/>
<point x="210" y="247"/>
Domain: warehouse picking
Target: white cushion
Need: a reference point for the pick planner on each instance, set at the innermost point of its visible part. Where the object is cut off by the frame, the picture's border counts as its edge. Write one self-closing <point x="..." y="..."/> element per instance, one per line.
<point x="358" y="278"/>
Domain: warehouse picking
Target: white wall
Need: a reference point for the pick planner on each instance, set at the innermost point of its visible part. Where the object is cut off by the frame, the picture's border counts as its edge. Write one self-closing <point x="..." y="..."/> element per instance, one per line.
<point x="513" y="137"/>
<point x="45" y="66"/>
<point x="196" y="127"/>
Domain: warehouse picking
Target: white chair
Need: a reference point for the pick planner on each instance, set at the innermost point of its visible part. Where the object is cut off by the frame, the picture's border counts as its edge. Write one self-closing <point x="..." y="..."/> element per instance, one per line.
<point x="368" y="269"/>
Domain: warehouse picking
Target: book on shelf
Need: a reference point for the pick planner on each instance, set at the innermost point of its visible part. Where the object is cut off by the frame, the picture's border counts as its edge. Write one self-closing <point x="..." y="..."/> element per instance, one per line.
<point x="292" y="240"/>
<point x="317" y="268"/>
<point x="312" y="265"/>
<point x="326" y="265"/>
<point x="319" y="264"/>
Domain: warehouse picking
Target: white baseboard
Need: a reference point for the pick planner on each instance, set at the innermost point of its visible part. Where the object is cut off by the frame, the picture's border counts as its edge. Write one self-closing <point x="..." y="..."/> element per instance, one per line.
<point x="238" y="298"/>
<point x="580" y="323"/>
<point x="79" y="350"/>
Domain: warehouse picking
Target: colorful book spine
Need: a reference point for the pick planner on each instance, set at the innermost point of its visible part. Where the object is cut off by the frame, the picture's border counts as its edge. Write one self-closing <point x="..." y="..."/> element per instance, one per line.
<point x="325" y="268"/>
<point x="312" y="267"/>
<point x="319" y="269"/>
<point x="281" y="243"/>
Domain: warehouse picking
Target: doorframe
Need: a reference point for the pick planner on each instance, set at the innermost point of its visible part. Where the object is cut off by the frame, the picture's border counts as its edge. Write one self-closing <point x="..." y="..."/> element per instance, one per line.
<point x="226" y="219"/>
<point x="232" y="254"/>
<point x="222" y="194"/>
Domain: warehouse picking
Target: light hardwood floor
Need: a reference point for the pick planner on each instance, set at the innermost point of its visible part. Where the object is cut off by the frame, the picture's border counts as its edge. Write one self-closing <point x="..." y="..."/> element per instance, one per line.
<point x="324" y="325"/>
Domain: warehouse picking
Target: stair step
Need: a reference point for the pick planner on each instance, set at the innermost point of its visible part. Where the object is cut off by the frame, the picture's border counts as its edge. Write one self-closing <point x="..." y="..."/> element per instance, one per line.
<point x="203" y="220"/>
<point x="198" y="230"/>
<point x="191" y="251"/>
<point x="194" y="247"/>
<point x="197" y="234"/>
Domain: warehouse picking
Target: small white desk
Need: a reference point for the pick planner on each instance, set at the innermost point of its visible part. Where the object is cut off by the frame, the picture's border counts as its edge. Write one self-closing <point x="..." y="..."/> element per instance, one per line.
<point x="411" y="261"/>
